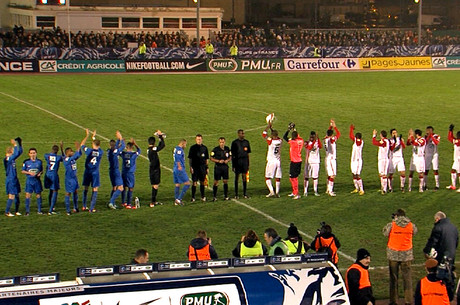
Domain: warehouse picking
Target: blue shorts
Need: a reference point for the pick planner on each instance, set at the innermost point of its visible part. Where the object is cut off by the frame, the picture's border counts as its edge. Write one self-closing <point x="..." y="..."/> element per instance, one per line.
<point x="128" y="180"/>
<point x="34" y="186"/>
<point x="91" y="179"/>
<point x="71" y="185"/>
<point x="12" y="186"/>
<point x="115" y="177"/>
<point x="52" y="182"/>
<point x="180" y="177"/>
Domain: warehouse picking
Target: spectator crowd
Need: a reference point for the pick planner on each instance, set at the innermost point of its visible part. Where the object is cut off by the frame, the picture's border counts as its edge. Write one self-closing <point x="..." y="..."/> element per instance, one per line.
<point x="245" y="36"/>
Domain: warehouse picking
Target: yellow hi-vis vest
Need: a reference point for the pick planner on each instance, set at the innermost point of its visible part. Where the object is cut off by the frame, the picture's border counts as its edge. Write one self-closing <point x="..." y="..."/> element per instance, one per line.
<point x="293" y="247"/>
<point x="256" y="250"/>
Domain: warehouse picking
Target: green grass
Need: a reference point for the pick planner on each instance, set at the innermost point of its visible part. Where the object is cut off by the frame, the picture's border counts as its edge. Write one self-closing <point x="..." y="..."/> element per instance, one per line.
<point x="217" y="105"/>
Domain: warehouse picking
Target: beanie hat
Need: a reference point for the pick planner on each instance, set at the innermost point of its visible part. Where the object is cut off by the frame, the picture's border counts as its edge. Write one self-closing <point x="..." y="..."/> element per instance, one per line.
<point x="292" y="231"/>
<point x="362" y="253"/>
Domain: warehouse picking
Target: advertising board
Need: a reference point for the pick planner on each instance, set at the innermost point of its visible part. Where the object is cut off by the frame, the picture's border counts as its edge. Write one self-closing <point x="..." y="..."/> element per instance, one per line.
<point x="394" y="63"/>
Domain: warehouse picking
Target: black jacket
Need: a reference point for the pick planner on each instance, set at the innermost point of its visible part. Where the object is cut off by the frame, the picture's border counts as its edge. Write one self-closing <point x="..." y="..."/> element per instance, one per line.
<point x="444" y="239"/>
<point x="358" y="296"/>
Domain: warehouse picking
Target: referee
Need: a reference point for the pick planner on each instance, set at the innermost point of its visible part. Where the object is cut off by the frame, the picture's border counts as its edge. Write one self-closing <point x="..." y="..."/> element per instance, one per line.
<point x="154" y="168"/>
<point x="221" y="155"/>
<point x="198" y="157"/>
<point x="240" y="161"/>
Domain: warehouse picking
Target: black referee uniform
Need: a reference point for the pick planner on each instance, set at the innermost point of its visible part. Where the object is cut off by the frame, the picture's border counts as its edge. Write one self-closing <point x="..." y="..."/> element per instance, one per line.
<point x="198" y="156"/>
<point x="220" y="169"/>
<point x="240" y="162"/>
<point x="154" y="168"/>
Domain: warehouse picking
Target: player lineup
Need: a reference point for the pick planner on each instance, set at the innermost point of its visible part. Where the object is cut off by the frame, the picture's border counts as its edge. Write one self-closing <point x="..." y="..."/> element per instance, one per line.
<point x="390" y="145"/>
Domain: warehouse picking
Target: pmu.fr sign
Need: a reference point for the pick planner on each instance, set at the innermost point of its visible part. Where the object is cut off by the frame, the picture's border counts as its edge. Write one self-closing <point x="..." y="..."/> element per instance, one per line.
<point x="16" y="66"/>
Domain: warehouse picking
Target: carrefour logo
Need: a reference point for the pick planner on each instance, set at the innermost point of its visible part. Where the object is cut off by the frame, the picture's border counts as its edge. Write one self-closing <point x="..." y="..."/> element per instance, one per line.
<point x="205" y="298"/>
<point x="224" y="64"/>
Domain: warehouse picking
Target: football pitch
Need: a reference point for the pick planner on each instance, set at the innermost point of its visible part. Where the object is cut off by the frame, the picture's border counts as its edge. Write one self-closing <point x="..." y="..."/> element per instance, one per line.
<point x="47" y="109"/>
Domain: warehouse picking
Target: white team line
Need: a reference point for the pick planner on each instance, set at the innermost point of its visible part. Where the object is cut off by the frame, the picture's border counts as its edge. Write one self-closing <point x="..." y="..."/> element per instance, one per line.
<point x="267" y="216"/>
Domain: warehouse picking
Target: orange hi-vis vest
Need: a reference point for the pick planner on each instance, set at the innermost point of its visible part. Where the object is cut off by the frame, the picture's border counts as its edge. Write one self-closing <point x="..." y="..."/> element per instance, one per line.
<point x="400" y="238"/>
<point x="202" y="254"/>
<point x="364" y="280"/>
<point x="433" y="293"/>
<point x="328" y="243"/>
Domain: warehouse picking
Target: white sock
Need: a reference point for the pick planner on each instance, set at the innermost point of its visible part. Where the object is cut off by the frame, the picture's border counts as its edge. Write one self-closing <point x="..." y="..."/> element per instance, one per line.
<point x="436" y="180"/>
<point x="305" y="186"/>
<point x="269" y="185"/>
<point x="355" y="182"/>
<point x="454" y="178"/>
<point x="278" y="186"/>
<point x="390" y="183"/>
<point x="410" y="182"/>
<point x="360" y="184"/>
<point x="403" y="180"/>
<point x="315" y="185"/>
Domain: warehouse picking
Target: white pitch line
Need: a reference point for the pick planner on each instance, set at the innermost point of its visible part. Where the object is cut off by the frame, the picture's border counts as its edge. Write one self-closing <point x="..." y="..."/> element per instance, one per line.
<point x="169" y="169"/>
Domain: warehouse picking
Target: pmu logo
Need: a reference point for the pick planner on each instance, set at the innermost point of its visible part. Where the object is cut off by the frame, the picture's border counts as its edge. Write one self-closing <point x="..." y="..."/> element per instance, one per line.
<point x="48" y="66"/>
<point x="349" y="63"/>
<point x="205" y="298"/>
<point x="225" y="64"/>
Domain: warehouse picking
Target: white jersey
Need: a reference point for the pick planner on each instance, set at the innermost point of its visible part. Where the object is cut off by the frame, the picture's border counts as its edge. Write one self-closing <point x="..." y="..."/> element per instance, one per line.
<point x="274" y="149"/>
<point x="397" y="151"/>
<point x="312" y="155"/>
<point x="418" y="149"/>
<point x="384" y="148"/>
<point x="357" y="150"/>
<point x="432" y="146"/>
<point x="331" y="147"/>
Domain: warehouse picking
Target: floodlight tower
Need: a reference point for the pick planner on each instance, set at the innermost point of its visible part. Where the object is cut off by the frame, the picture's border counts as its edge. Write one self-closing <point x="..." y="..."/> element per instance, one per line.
<point x="419" y="2"/>
<point x="197" y="23"/>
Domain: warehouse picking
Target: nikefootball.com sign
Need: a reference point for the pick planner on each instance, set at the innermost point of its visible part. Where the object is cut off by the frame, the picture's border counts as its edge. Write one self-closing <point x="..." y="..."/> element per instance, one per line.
<point x="165" y="65"/>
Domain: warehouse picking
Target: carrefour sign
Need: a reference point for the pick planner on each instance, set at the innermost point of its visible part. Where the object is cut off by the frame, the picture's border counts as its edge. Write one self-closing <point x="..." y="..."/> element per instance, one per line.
<point x="320" y="64"/>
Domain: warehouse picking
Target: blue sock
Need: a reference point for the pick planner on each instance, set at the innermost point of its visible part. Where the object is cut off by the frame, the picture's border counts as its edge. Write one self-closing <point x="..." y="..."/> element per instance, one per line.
<point x="93" y="201"/>
<point x="128" y="199"/>
<point x="67" y="203"/>
<point x="50" y="198"/>
<point x="184" y="190"/>
<point x="39" y="204"/>
<point x="176" y="192"/>
<point x="75" y="201"/>
<point x="85" y="197"/>
<point x="27" y="205"/>
<point x="17" y="202"/>
<point x="111" y="193"/>
<point x="115" y="196"/>
<point x="9" y="202"/>
<point x="123" y="196"/>
<point x="53" y="201"/>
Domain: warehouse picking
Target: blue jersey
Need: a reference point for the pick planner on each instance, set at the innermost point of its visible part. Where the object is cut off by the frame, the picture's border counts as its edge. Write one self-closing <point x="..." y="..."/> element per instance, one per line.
<point x="129" y="161"/>
<point x="179" y="156"/>
<point x="52" y="164"/>
<point x="32" y="167"/>
<point x="93" y="158"/>
<point x="70" y="165"/>
<point x="10" y="163"/>
<point x="112" y="155"/>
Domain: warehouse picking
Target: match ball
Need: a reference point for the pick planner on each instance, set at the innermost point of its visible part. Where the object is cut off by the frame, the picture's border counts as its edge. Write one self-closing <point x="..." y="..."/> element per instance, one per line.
<point x="270" y="118"/>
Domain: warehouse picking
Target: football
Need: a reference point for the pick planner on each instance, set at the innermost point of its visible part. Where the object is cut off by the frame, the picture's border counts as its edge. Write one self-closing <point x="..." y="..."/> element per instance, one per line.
<point x="270" y="118"/>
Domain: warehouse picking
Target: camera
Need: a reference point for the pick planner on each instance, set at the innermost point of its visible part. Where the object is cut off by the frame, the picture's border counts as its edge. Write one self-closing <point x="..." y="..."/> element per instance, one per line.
<point x="393" y="216"/>
<point x="321" y="229"/>
<point x="291" y="126"/>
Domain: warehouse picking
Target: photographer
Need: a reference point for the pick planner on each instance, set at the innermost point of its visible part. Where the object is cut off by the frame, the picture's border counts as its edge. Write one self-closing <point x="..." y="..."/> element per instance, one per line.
<point x="325" y="241"/>
<point x="442" y="245"/>
<point x="200" y="248"/>
<point x="400" y="254"/>
<point x="430" y="289"/>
